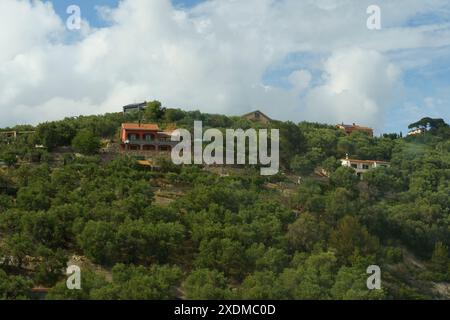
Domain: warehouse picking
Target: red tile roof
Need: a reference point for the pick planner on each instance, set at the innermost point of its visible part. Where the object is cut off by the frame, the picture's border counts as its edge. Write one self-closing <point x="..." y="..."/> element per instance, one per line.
<point x="142" y="126"/>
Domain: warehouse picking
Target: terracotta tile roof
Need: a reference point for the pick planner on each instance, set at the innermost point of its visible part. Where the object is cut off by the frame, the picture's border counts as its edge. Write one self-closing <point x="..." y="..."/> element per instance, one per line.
<point x="142" y="126"/>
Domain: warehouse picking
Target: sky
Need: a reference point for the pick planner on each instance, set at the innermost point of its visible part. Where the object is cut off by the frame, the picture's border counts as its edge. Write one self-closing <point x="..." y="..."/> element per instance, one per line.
<point x="312" y="60"/>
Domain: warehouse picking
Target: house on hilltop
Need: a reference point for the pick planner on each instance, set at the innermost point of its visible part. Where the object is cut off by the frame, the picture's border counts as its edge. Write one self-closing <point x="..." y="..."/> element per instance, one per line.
<point x="349" y="129"/>
<point x="257" y="116"/>
<point x="14" y="134"/>
<point x="145" y="137"/>
<point x="134" y="107"/>
<point x="362" y="166"/>
<point x="417" y="131"/>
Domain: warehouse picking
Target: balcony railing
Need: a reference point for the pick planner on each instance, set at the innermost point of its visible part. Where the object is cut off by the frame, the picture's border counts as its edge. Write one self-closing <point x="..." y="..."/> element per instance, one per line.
<point x="141" y="142"/>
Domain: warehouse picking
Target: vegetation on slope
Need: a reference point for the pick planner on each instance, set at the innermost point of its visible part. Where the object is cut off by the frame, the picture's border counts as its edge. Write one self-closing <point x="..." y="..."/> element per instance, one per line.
<point x="230" y="236"/>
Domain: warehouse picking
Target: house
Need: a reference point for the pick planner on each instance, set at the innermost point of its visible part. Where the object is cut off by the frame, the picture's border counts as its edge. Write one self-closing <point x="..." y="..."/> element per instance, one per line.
<point x="145" y="137"/>
<point x="14" y="134"/>
<point x="135" y="107"/>
<point x="417" y="131"/>
<point x="362" y="166"/>
<point x="349" y="129"/>
<point x="8" y="134"/>
<point x="257" y="116"/>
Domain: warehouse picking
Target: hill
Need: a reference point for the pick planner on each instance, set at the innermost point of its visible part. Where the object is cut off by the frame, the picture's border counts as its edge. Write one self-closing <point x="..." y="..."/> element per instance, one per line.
<point x="194" y="232"/>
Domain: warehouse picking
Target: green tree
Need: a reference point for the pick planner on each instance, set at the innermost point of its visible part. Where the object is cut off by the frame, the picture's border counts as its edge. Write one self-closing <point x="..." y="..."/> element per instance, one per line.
<point x="205" y="284"/>
<point x="440" y="261"/>
<point x="305" y="232"/>
<point x="311" y="278"/>
<point x="86" y="142"/>
<point x="351" y="237"/>
<point x="14" y="287"/>
<point x="262" y="285"/>
<point x="140" y="283"/>
<point x="224" y="255"/>
<point x="89" y="281"/>
<point x="98" y="241"/>
<point x="154" y="111"/>
<point x="344" y="177"/>
<point x="351" y="284"/>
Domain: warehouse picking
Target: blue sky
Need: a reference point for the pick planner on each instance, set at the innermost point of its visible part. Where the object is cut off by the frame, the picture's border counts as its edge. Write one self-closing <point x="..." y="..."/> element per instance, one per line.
<point x="90" y="13"/>
<point x="294" y="60"/>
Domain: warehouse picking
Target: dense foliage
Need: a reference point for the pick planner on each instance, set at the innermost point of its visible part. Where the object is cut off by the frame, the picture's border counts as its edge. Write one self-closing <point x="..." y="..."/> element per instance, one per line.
<point x="223" y="236"/>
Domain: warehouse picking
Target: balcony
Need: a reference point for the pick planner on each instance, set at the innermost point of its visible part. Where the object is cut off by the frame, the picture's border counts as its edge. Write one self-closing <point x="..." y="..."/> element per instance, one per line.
<point x="141" y="142"/>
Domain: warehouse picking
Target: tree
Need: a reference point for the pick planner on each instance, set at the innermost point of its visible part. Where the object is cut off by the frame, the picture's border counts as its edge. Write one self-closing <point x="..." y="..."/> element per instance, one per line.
<point x="34" y="197"/>
<point x="351" y="237"/>
<point x="173" y="115"/>
<point x="154" y="111"/>
<point x="86" y="142"/>
<point x="312" y="278"/>
<point x="50" y="265"/>
<point x="304" y="233"/>
<point x="140" y="283"/>
<point x="14" y="287"/>
<point x="262" y="285"/>
<point x="10" y="158"/>
<point x="305" y="164"/>
<point x="5" y="181"/>
<point x="90" y="281"/>
<point x="267" y="259"/>
<point x="351" y="284"/>
<point x="292" y="142"/>
<point x="55" y="134"/>
<point x="344" y="177"/>
<point x="382" y="181"/>
<point x="98" y="241"/>
<point x="206" y="284"/>
<point x="224" y="255"/>
<point x="440" y="261"/>
<point x="16" y="249"/>
<point x="428" y="124"/>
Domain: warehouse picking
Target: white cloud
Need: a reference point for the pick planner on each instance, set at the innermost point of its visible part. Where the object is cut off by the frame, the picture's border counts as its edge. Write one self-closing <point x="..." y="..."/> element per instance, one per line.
<point x="359" y="84"/>
<point x="300" y="79"/>
<point x="212" y="57"/>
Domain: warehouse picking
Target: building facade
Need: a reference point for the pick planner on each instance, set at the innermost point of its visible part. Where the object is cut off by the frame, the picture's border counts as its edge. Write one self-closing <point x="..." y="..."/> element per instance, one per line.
<point x="416" y="132"/>
<point x="145" y="137"/>
<point x="134" y="107"/>
<point x="362" y="166"/>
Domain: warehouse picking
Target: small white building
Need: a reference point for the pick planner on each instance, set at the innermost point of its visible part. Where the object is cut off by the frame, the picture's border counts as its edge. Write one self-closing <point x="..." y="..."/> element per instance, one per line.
<point x="417" y="131"/>
<point x="362" y="166"/>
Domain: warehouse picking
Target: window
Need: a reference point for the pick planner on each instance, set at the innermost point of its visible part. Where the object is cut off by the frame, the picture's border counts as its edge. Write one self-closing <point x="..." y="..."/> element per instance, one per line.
<point x="354" y="166"/>
<point x="132" y="137"/>
<point x="148" y="137"/>
<point x="365" y="166"/>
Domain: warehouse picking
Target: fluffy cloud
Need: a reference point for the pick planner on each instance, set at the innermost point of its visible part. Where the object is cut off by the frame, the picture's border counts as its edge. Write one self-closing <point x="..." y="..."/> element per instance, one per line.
<point x="359" y="84"/>
<point x="213" y="57"/>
